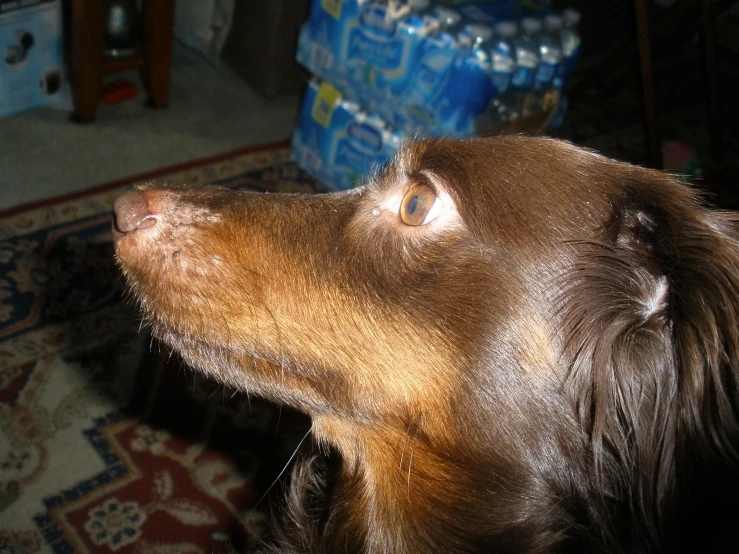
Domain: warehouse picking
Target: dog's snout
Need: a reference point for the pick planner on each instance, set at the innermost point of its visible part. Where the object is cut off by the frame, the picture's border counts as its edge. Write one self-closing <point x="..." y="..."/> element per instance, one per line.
<point x="132" y="212"/>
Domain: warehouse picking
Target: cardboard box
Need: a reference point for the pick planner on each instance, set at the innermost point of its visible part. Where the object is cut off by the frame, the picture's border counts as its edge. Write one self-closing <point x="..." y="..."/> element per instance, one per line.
<point x="261" y="45"/>
<point x="31" y="54"/>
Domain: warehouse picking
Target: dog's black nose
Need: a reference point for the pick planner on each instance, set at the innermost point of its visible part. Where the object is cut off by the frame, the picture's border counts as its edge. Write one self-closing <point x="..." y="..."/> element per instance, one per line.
<point x="132" y="212"/>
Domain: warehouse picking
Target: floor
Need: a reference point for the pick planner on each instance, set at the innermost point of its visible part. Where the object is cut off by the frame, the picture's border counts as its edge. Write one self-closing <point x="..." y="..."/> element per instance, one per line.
<point x="211" y="111"/>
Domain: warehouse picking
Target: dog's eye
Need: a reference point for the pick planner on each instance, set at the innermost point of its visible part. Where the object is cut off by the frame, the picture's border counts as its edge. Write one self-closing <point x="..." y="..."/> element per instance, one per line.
<point x="420" y="205"/>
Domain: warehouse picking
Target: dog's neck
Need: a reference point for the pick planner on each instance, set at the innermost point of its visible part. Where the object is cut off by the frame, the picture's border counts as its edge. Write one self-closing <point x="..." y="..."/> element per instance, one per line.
<point x="406" y="492"/>
<point x="391" y="485"/>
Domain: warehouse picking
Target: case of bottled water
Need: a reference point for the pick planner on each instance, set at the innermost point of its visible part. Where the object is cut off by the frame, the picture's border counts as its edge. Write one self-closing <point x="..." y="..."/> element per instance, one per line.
<point x="400" y="68"/>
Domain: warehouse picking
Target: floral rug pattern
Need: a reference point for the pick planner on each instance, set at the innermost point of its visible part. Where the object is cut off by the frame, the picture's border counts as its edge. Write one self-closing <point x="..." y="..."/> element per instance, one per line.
<point x="105" y="445"/>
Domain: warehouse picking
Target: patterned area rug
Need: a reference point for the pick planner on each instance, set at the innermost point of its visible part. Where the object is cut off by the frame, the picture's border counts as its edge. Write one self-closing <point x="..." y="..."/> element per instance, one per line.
<point x="105" y="445"/>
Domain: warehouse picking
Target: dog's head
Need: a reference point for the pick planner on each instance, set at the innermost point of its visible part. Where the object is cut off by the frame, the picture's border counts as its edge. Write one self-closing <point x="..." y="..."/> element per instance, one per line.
<point x="554" y="330"/>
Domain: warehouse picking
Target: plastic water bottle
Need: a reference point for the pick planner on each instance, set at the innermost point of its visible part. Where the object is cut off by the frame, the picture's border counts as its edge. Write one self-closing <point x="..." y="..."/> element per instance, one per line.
<point x="527" y="62"/>
<point x="448" y="19"/>
<point x="443" y="24"/>
<point x="550" y="60"/>
<point x="424" y="101"/>
<point x="474" y="67"/>
<point x="392" y="138"/>
<point x="409" y="7"/>
<point x="503" y="66"/>
<point x="412" y="29"/>
<point x="419" y="6"/>
<point x="474" y="37"/>
<point x="570" y="39"/>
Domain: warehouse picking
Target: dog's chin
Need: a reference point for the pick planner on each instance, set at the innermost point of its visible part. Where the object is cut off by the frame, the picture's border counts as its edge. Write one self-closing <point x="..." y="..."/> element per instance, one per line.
<point x="199" y="353"/>
<point x="245" y="370"/>
<point x="182" y="342"/>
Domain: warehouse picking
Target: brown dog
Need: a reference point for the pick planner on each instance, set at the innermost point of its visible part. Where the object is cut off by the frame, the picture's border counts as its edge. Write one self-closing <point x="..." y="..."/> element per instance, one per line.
<point x="512" y="345"/>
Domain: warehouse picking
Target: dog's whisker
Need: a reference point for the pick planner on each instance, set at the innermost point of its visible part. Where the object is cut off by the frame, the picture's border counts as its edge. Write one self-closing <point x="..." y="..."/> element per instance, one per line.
<point x="282" y="471"/>
<point x="410" y="465"/>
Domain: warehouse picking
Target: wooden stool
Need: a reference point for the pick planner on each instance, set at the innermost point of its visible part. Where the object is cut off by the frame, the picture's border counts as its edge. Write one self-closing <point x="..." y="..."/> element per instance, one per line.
<point x="88" y="64"/>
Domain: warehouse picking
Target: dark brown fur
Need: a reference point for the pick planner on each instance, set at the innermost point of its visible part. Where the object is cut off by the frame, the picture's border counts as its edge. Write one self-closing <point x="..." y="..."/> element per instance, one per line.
<point x="548" y="366"/>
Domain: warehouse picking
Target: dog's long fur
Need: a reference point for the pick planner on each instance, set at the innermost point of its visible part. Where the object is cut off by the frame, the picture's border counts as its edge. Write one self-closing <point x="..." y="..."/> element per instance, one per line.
<point x="548" y="365"/>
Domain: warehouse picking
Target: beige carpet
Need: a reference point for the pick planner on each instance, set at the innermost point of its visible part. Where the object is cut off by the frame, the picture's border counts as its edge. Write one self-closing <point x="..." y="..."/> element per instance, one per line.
<point x="211" y="110"/>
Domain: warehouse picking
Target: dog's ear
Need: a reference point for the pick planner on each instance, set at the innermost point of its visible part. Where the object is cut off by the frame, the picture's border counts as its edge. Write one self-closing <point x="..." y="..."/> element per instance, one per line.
<point x="651" y="324"/>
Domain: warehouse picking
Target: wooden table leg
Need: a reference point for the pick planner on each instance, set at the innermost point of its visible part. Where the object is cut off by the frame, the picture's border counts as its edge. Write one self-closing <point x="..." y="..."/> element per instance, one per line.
<point x="708" y="42"/>
<point x="649" y="100"/>
<point x="86" y="57"/>
<point x="157" y="49"/>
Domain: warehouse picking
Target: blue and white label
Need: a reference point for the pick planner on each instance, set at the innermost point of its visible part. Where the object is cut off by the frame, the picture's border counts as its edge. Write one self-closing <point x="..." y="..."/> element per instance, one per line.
<point x="380" y="52"/>
<point x="366" y="135"/>
<point x="378" y="19"/>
